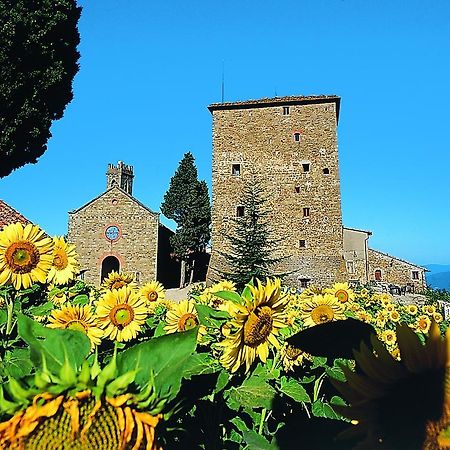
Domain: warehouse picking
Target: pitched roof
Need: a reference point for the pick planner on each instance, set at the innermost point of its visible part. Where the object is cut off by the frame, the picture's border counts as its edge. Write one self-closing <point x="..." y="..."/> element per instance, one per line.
<point x="278" y="101"/>
<point x="122" y="192"/>
<point x="9" y="215"/>
<point x="398" y="259"/>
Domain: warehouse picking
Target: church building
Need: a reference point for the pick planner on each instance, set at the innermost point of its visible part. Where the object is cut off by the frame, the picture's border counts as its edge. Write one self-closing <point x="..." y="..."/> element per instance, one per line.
<point x="115" y="231"/>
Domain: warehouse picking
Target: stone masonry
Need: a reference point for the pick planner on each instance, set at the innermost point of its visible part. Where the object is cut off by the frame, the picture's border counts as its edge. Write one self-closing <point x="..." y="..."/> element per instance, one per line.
<point x="290" y="145"/>
<point x="136" y="245"/>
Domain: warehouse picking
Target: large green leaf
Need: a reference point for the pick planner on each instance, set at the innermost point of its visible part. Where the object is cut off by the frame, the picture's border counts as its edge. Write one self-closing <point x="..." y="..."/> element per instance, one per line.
<point x="17" y="363"/>
<point x="254" y="392"/>
<point x="166" y="356"/>
<point x="255" y="441"/>
<point x="200" y="364"/>
<point x="211" y="317"/>
<point x="323" y="409"/>
<point x="52" y="344"/>
<point x="295" y="390"/>
<point x="229" y="295"/>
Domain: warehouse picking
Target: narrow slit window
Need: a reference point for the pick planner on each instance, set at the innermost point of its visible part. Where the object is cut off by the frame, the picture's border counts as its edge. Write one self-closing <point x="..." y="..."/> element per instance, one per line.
<point x="286" y="110"/>
<point x="240" y="211"/>
<point x="306" y="212"/>
<point x="236" y="170"/>
<point x="297" y="137"/>
<point x="305" y="167"/>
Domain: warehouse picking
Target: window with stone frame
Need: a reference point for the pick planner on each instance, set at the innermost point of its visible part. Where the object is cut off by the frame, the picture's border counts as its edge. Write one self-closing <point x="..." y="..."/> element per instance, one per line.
<point x="240" y="211"/>
<point x="302" y="243"/>
<point x="286" y="110"/>
<point x="415" y="275"/>
<point x="305" y="167"/>
<point x="306" y="212"/>
<point x="236" y="170"/>
<point x="304" y="282"/>
<point x="297" y="136"/>
<point x="350" y="267"/>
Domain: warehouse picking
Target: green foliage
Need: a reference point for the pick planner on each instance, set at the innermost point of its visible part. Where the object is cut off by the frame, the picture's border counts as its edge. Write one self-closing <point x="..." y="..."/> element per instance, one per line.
<point x="38" y="61"/>
<point x="252" y="248"/>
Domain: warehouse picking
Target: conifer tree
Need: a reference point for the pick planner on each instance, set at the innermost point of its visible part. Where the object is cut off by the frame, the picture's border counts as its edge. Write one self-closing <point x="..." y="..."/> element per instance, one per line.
<point x="38" y="61"/>
<point x="187" y="203"/>
<point x="251" y="244"/>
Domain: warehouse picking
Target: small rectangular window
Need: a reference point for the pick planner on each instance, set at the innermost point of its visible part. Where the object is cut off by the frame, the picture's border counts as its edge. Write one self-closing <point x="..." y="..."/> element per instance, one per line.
<point x="326" y="171"/>
<point x="415" y="275"/>
<point x="297" y="189"/>
<point x="350" y="267"/>
<point x="236" y="170"/>
<point x="240" y="211"/>
<point x="302" y="243"/>
<point x="304" y="282"/>
<point x="297" y="137"/>
<point x="285" y="110"/>
<point x="306" y="212"/>
<point x="305" y="167"/>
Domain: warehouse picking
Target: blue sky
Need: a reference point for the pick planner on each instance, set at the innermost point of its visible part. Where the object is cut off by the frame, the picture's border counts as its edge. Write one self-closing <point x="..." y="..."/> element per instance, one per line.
<point x="149" y="69"/>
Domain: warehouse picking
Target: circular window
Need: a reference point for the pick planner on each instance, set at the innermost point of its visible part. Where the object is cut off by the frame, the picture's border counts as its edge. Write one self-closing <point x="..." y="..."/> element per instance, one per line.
<point x="112" y="233"/>
<point x="114" y="201"/>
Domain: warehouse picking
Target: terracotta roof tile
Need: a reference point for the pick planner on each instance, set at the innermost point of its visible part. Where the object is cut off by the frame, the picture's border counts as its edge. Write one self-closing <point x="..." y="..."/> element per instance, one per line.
<point x="10" y="215"/>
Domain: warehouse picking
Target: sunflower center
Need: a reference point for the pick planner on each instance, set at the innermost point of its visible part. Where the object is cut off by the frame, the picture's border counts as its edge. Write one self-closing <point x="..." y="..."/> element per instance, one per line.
<point x="153" y="296"/>
<point x="341" y="295"/>
<point x="76" y="325"/>
<point x="118" y="284"/>
<point x="187" y="322"/>
<point x="121" y="315"/>
<point x="258" y="326"/>
<point x="322" y="314"/>
<point x="22" y="257"/>
<point x="60" y="260"/>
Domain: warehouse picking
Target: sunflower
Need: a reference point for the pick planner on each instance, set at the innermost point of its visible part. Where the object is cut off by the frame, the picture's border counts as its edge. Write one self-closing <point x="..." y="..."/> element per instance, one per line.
<point x="364" y="316"/>
<point x="80" y="318"/>
<point x="394" y="316"/>
<point x="381" y="318"/>
<point x="152" y="291"/>
<point x="320" y="309"/>
<point x="342" y="292"/>
<point x="400" y="404"/>
<point x="58" y="297"/>
<point x="291" y="356"/>
<point x="428" y="309"/>
<point x="25" y="255"/>
<point x="422" y="323"/>
<point x="438" y="318"/>
<point x="389" y="337"/>
<point x="412" y="309"/>
<point x="121" y="313"/>
<point x="255" y="324"/>
<point x="364" y="292"/>
<point x="116" y="280"/>
<point x="65" y="265"/>
<point x="389" y="307"/>
<point x="182" y="318"/>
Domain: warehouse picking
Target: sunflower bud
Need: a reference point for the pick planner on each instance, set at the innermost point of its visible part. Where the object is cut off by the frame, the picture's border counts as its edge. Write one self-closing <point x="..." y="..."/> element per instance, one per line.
<point x="120" y="384"/>
<point x="18" y="393"/>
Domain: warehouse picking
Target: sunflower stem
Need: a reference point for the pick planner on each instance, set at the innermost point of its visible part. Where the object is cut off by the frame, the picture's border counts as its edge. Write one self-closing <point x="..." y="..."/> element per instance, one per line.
<point x="317" y="386"/>
<point x="9" y="315"/>
<point x="261" y="422"/>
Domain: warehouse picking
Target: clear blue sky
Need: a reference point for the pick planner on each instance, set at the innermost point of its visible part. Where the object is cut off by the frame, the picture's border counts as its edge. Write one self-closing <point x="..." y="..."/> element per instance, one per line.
<point x="150" y="68"/>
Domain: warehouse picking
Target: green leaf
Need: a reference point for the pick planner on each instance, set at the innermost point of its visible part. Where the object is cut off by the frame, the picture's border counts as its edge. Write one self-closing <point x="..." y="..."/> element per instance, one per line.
<point x="200" y="364"/>
<point x="211" y="317"/>
<point x="228" y="295"/>
<point x="3" y="316"/>
<point x="254" y="392"/>
<point x="336" y="400"/>
<point x="81" y="299"/>
<point x="295" y="390"/>
<point x="336" y="373"/>
<point x="53" y="344"/>
<point x="17" y="363"/>
<point x="322" y="409"/>
<point x="159" y="331"/>
<point x="247" y="294"/>
<point x="222" y="381"/>
<point x="255" y="441"/>
<point x="318" y="361"/>
<point x="166" y="356"/>
<point x="239" y="424"/>
<point x="41" y="310"/>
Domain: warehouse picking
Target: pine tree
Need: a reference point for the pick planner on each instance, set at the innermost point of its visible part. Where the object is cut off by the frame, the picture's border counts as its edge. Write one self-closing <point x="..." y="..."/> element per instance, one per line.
<point x="38" y="61"/>
<point x="252" y="247"/>
<point x="187" y="203"/>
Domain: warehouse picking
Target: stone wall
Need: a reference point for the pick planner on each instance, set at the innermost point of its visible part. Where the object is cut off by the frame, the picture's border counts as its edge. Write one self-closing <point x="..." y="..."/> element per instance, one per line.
<point x="136" y="246"/>
<point x="396" y="271"/>
<point x="356" y="254"/>
<point x="295" y="156"/>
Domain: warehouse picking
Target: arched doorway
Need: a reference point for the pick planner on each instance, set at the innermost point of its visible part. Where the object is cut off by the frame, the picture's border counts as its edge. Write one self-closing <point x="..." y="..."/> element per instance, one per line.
<point x="109" y="264"/>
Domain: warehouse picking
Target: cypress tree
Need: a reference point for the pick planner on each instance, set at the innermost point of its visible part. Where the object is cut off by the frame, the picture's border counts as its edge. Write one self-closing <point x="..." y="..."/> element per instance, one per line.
<point x="187" y="203"/>
<point x="38" y="61"/>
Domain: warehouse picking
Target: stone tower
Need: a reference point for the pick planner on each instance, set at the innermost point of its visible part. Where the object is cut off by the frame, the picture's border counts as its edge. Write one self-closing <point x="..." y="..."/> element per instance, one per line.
<point x="120" y="176"/>
<point x="290" y="145"/>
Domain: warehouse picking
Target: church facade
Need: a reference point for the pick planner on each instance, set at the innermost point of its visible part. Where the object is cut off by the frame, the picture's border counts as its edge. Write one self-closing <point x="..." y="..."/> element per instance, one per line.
<point x="115" y="231"/>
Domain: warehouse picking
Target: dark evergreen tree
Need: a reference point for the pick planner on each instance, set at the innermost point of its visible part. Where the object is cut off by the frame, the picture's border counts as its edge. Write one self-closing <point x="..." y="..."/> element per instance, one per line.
<point x="38" y="61"/>
<point x="252" y="247"/>
<point x="187" y="203"/>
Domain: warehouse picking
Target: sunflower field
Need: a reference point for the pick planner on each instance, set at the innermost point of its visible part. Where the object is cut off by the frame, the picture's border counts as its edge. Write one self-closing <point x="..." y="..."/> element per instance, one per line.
<point x="122" y="367"/>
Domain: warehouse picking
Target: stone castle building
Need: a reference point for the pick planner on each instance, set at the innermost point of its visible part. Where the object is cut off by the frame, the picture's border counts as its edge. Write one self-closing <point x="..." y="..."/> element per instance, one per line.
<point x="115" y="231"/>
<point x="289" y="144"/>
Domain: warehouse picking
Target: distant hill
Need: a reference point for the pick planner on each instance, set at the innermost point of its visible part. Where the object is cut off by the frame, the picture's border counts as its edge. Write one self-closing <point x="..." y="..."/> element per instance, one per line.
<point x="439" y="276"/>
